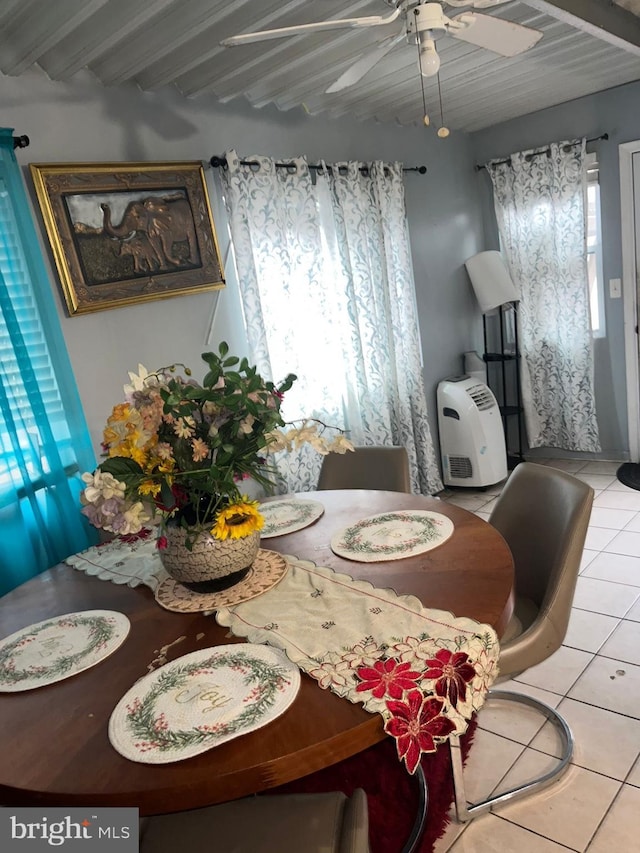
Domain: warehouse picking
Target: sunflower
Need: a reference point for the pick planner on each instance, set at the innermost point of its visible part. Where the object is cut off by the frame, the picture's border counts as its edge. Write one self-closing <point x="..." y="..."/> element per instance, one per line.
<point x="238" y="520"/>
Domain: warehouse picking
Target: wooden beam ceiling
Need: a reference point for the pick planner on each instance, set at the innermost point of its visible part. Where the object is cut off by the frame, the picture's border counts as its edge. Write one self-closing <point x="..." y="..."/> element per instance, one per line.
<point x="604" y="20"/>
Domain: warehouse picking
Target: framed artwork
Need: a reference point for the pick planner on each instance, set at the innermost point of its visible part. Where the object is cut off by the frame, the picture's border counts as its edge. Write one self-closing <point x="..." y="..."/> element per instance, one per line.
<point x="124" y="233"/>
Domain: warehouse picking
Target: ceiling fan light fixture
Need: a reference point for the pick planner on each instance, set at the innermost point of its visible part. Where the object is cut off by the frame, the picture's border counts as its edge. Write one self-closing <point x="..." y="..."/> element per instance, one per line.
<point x="428" y="59"/>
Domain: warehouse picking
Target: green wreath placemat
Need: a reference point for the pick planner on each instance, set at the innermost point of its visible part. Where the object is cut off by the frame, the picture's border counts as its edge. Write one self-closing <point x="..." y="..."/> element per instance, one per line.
<point x="392" y="535"/>
<point x="201" y="700"/>
<point x="288" y="515"/>
<point x="59" y="647"/>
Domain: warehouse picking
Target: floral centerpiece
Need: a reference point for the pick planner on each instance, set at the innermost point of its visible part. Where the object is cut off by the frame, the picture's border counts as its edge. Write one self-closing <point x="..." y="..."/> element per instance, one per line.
<point x="177" y="451"/>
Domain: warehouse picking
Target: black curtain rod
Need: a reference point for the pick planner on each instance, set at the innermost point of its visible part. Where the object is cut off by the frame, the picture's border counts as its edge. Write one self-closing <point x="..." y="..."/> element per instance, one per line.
<point x="217" y="162"/>
<point x="542" y="151"/>
<point x="20" y="142"/>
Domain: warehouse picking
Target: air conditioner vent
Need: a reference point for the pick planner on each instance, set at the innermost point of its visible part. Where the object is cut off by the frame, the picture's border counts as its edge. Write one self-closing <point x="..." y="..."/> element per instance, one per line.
<point x="460" y="467"/>
<point x="482" y="397"/>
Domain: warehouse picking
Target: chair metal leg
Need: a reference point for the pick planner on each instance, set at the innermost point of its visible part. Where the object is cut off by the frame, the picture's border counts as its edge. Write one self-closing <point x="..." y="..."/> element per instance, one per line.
<point x="411" y="845"/>
<point x="466" y="812"/>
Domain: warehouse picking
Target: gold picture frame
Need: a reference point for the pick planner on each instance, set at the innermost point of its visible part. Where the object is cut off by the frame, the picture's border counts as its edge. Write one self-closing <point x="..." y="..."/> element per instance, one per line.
<point x="125" y="233"/>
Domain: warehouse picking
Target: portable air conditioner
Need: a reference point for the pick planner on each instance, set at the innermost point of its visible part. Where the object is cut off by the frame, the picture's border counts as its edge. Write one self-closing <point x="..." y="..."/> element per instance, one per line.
<point x="472" y="444"/>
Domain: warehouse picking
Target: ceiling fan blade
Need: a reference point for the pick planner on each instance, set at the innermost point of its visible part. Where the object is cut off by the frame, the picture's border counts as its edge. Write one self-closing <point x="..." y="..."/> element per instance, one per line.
<point x="363" y="65"/>
<point x="305" y="29"/>
<point x="502" y="37"/>
<point x="477" y="4"/>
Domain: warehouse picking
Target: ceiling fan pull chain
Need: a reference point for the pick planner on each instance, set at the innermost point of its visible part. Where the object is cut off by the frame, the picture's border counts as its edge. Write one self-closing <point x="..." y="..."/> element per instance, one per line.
<point x="425" y="118"/>
<point x="443" y="131"/>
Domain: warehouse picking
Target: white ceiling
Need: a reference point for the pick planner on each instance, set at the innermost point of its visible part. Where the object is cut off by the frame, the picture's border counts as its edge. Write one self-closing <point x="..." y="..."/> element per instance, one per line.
<point x="587" y="46"/>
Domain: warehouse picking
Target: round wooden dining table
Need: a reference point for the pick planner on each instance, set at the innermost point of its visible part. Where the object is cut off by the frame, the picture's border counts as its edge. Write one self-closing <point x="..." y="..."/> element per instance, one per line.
<point x="55" y="746"/>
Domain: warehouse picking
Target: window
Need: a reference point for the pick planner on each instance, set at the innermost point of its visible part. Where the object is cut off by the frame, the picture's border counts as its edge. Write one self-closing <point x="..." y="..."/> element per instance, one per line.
<point x="44" y="442"/>
<point x="594" y="249"/>
<point x="21" y="330"/>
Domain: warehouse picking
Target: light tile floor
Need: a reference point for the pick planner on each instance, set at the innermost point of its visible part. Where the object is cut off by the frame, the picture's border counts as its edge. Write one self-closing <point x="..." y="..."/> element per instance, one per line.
<point x="594" y="680"/>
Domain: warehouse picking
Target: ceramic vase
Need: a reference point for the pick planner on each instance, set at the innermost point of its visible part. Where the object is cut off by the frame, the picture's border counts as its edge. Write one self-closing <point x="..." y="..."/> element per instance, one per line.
<point x="212" y="564"/>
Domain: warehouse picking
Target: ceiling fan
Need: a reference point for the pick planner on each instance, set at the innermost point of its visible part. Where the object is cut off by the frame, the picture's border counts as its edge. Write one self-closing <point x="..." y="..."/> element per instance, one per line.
<point x="423" y="23"/>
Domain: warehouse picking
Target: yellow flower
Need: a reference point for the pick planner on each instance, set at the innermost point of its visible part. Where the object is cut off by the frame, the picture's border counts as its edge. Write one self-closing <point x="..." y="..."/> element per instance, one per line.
<point x="238" y="520"/>
<point x="125" y="432"/>
<point x="149" y="488"/>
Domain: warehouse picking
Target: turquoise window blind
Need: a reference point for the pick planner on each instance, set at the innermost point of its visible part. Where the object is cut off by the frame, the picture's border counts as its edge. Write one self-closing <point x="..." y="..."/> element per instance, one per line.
<point x="44" y="441"/>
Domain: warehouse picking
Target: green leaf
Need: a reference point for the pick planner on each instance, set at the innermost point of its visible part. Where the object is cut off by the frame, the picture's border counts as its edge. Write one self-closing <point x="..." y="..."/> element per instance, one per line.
<point x="123" y="469"/>
<point x="234" y="377"/>
<point x="287" y="383"/>
<point x="212" y="377"/>
<point x="223" y="349"/>
<point x="166" y="495"/>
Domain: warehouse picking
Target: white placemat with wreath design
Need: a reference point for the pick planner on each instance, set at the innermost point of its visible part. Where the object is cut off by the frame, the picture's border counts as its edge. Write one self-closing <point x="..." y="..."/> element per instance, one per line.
<point x="201" y="700"/>
<point x="59" y="647"/>
<point x="288" y="515"/>
<point x="392" y="535"/>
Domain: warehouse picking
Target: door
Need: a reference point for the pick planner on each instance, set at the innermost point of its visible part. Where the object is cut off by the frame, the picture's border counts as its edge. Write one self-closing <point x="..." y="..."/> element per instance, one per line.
<point x="630" y="216"/>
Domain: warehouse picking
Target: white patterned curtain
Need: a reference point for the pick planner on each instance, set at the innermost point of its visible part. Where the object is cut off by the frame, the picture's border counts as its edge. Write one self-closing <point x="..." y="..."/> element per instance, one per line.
<point x="327" y="287"/>
<point x="540" y="206"/>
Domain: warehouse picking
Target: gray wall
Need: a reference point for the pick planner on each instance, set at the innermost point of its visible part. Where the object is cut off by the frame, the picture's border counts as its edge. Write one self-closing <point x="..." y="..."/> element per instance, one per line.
<point x="616" y="113"/>
<point x="82" y="121"/>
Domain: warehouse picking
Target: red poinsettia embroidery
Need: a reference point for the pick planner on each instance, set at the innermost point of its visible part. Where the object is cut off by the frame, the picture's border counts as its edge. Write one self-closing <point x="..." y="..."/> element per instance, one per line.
<point x="453" y="671"/>
<point x="414" y="724"/>
<point x="387" y="677"/>
<point x="143" y="533"/>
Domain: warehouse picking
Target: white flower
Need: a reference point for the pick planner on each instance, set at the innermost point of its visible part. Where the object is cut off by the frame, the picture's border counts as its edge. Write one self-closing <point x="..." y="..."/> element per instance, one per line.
<point x="305" y="434"/>
<point x="246" y="424"/>
<point x="138" y="380"/>
<point x="364" y="654"/>
<point x="415" y="651"/>
<point x="332" y="673"/>
<point x="276" y="440"/>
<point x="340" y="444"/>
<point x="135" y="518"/>
<point x="102" y="487"/>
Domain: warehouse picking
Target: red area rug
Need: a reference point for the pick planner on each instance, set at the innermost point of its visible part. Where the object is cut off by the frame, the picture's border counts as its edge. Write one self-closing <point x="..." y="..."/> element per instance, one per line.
<point x="391" y="792"/>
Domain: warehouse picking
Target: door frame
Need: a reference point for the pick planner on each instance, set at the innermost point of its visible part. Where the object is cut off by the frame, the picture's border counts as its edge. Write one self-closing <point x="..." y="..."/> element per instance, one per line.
<point x="629" y="154"/>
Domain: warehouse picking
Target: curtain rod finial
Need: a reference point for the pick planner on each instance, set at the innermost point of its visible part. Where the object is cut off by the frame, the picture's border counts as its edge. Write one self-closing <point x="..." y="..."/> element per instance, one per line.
<point x="20" y="141"/>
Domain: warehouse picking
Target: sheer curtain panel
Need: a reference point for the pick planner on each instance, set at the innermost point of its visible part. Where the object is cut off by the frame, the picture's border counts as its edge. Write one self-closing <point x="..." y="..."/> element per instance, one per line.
<point x="326" y="280"/>
<point x="44" y="442"/>
<point x="540" y="206"/>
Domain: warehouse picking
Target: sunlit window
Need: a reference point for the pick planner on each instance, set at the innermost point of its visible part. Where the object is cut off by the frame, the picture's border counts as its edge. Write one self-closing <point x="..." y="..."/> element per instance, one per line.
<point x="594" y="248"/>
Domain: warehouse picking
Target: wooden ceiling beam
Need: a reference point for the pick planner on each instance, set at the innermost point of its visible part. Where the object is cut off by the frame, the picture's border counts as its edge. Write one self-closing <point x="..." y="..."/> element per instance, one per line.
<point x="605" y="21"/>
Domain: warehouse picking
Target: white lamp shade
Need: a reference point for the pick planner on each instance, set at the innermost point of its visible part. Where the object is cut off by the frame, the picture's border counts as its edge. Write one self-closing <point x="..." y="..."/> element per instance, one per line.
<point x="491" y="281"/>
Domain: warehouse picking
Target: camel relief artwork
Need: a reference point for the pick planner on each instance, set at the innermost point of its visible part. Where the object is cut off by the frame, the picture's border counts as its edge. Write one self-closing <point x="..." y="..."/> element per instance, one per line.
<point x="126" y="233"/>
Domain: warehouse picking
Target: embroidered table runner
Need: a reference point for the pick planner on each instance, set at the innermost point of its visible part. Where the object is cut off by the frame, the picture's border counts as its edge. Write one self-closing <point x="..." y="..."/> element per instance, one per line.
<point x="425" y="671"/>
<point x="132" y="563"/>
